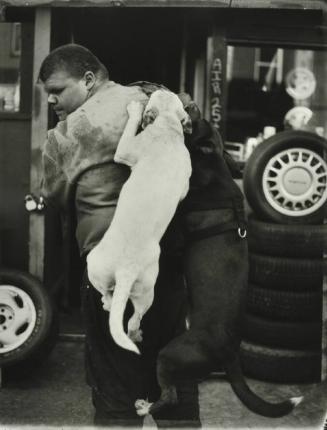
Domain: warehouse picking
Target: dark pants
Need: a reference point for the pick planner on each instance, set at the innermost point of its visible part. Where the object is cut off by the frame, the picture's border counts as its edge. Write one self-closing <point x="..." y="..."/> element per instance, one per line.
<point x="119" y="377"/>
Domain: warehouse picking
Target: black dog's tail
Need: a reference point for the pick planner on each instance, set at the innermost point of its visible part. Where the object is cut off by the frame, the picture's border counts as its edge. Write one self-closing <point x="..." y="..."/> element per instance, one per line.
<point x="251" y="400"/>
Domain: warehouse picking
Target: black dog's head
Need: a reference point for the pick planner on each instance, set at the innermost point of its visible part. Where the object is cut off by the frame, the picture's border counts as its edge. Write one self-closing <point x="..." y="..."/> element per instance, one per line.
<point x="210" y="161"/>
<point x="204" y="144"/>
<point x="206" y="150"/>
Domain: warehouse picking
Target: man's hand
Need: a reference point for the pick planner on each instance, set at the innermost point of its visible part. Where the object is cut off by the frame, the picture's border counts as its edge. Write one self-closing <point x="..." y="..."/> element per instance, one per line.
<point x="135" y="111"/>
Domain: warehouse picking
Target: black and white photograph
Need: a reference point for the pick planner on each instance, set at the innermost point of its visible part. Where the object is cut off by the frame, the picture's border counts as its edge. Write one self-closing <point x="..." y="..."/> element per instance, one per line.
<point x="163" y="214"/>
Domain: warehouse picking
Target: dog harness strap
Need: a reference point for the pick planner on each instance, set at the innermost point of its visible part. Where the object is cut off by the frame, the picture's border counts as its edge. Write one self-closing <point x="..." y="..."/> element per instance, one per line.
<point x="214" y="230"/>
<point x="240" y="215"/>
<point x="204" y="205"/>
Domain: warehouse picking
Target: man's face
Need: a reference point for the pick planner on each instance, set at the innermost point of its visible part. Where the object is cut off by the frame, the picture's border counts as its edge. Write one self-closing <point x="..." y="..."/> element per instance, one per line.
<point x="65" y="93"/>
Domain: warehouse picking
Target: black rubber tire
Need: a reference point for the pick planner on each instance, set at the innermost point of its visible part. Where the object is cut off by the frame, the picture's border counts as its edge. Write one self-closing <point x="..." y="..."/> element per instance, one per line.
<point x="285" y="240"/>
<point x="280" y="365"/>
<point x="286" y="273"/>
<point x="254" y="169"/>
<point x="44" y="335"/>
<point x="284" y="305"/>
<point x="282" y="334"/>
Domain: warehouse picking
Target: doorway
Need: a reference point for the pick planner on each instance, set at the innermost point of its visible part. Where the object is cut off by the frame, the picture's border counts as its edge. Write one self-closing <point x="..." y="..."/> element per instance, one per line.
<point x="134" y="44"/>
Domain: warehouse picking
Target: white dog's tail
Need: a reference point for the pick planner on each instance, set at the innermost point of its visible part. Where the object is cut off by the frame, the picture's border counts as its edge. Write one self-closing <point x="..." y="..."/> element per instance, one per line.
<point x="124" y="283"/>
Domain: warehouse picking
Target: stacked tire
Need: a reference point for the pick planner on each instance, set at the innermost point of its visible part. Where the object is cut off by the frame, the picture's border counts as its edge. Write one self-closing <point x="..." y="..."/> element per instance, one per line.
<point x="285" y="183"/>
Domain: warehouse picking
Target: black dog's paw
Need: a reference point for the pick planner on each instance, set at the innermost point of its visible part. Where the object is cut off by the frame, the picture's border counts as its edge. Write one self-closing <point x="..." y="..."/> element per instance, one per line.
<point x="142" y="407"/>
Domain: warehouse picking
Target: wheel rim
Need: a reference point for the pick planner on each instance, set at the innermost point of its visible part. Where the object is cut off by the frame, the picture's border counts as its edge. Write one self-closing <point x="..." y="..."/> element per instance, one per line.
<point x="295" y="182"/>
<point x="17" y="317"/>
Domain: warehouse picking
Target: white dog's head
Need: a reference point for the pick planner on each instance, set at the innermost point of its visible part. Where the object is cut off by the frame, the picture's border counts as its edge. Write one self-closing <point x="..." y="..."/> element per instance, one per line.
<point x="165" y="101"/>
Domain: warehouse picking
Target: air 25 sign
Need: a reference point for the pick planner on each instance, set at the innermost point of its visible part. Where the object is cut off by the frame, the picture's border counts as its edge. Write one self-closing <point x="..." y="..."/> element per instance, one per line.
<point x="216" y="93"/>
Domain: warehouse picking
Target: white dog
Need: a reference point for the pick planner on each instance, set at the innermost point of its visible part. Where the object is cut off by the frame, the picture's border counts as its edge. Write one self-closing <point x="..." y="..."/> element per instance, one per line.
<point x="124" y="264"/>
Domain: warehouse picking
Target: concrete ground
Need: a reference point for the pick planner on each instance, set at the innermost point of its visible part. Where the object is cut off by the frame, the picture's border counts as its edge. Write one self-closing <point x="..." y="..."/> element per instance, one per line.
<point x="57" y="396"/>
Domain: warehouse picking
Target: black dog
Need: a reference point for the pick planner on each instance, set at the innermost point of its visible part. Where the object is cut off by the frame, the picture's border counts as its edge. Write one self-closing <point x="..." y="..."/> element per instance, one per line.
<point x="216" y="267"/>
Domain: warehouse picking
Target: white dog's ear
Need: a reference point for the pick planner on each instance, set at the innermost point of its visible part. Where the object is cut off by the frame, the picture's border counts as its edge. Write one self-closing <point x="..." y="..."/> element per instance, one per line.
<point x="187" y="124"/>
<point x="149" y="116"/>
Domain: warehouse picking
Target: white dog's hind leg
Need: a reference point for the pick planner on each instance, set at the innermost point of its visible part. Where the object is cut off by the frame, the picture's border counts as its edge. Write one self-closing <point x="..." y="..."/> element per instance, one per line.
<point x="142" y="295"/>
<point x="141" y="305"/>
<point x="134" y="331"/>
<point x="133" y="327"/>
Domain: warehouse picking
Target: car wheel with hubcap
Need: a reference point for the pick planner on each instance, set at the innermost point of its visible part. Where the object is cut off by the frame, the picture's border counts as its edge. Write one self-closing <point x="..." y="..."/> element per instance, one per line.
<point x="28" y="321"/>
<point x="285" y="179"/>
<point x="17" y="317"/>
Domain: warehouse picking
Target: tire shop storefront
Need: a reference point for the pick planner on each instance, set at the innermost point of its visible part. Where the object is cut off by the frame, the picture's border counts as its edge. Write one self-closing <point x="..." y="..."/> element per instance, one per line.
<point x="256" y="69"/>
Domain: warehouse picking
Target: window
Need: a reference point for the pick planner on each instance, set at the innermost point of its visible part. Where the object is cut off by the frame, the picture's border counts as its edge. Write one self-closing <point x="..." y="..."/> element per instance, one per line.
<point x="271" y="89"/>
<point x="10" y="58"/>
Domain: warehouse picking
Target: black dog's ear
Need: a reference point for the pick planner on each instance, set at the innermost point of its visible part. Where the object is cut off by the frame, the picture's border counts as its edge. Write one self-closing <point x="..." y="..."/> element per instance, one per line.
<point x="190" y="106"/>
<point x="187" y="124"/>
<point x="205" y="139"/>
<point x="149" y="116"/>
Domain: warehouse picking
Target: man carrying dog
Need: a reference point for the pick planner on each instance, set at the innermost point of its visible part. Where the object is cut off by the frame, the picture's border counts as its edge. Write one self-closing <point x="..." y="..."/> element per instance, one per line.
<point x="79" y="172"/>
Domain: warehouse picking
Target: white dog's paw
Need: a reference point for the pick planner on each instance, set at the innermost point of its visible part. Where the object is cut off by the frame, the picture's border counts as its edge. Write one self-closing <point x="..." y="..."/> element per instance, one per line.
<point x="106" y="307"/>
<point x="106" y="301"/>
<point x="136" y="335"/>
<point x="135" y="109"/>
<point x="142" y="407"/>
